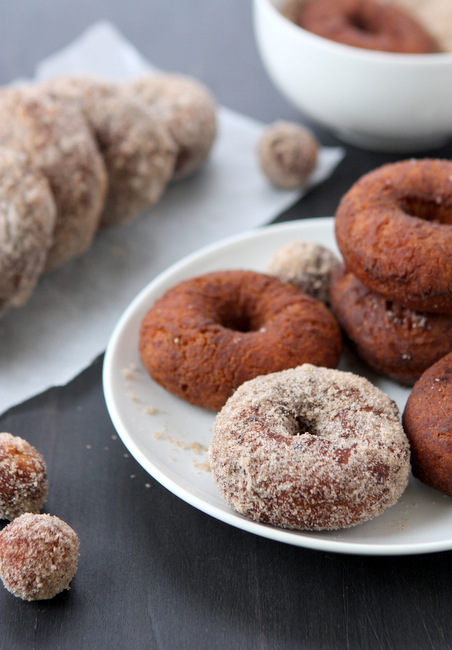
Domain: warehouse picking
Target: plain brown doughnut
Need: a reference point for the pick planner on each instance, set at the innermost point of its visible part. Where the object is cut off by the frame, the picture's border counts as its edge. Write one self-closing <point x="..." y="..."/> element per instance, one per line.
<point x="427" y="420"/>
<point x="365" y="24"/>
<point x="394" y="230"/>
<point x="207" y="335"/>
<point x="396" y="341"/>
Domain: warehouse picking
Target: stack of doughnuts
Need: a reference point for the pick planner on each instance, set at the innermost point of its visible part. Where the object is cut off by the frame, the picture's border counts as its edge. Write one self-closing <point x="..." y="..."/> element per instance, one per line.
<point x="393" y="295"/>
<point x="81" y="153"/>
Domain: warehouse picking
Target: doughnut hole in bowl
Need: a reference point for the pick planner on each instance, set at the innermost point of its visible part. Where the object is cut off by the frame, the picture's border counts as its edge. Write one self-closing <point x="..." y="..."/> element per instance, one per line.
<point x="381" y="101"/>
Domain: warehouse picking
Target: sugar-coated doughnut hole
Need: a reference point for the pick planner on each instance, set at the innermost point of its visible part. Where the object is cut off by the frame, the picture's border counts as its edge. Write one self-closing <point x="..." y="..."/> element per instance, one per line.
<point x="306" y="265"/>
<point x="38" y="556"/>
<point x="23" y="477"/>
<point x="287" y="154"/>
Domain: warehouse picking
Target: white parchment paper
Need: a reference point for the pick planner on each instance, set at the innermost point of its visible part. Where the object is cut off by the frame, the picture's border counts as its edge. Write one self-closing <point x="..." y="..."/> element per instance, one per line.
<point x="68" y="320"/>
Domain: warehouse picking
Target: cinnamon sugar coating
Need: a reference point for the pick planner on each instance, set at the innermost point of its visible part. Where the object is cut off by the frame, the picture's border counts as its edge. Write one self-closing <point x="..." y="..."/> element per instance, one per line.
<point x="27" y="221"/>
<point x="38" y="556"/>
<point x="23" y="477"/>
<point x="306" y="265"/>
<point x="396" y="341"/>
<point x="394" y="230"/>
<point x="309" y="448"/>
<point x="287" y="154"/>
<point x="427" y="420"/>
<point x="187" y="108"/>
<point x="136" y="147"/>
<point x="207" y="335"/>
<point x="58" y="140"/>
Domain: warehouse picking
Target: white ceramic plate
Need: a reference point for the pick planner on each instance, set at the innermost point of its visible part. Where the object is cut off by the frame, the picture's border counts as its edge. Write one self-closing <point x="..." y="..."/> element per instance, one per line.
<point x="168" y="437"/>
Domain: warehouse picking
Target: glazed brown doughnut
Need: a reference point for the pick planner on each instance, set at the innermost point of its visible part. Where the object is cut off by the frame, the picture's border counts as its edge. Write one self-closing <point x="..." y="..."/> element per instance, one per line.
<point x="427" y="420"/>
<point x="209" y="334"/>
<point x="365" y="24"/>
<point x="309" y="448"/>
<point x="394" y="230"/>
<point x="396" y="341"/>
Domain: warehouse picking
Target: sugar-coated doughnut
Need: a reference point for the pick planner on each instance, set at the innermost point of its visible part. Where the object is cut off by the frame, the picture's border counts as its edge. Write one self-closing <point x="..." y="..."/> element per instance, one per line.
<point x="394" y="230"/>
<point x="309" y="448"/>
<point x="23" y="477"/>
<point x="396" y="341"/>
<point x="27" y="221"/>
<point x="366" y="24"/>
<point x="187" y="108"/>
<point x="427" y="420"/>
<point x="136" y="147"/>
<point x="306" y="265"/>
<point x="38" y="556"/>
<point x="209" y="334"/>
<point x="287" y="154"/>
<point x="58" y="140"/>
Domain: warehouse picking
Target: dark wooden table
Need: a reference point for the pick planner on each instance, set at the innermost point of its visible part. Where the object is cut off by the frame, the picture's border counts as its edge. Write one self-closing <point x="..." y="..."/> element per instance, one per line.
<point x="154" y="572"/>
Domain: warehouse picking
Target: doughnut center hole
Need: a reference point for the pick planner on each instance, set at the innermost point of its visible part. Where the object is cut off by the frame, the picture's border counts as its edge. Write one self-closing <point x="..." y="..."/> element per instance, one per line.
<point x="303" y="426"/>
<point x="428" y="209"/>
<point x="361" y="23"/>
<point x="240" y="319"/>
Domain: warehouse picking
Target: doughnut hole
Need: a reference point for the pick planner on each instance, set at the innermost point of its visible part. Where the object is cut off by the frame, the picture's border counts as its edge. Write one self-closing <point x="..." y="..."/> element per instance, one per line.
<point x="23" y="477"/>
<point x="427" y="208"/>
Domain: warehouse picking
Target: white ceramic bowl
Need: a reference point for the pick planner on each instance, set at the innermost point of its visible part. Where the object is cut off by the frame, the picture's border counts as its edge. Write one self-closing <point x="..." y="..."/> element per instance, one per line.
<point x="376" y="100"/>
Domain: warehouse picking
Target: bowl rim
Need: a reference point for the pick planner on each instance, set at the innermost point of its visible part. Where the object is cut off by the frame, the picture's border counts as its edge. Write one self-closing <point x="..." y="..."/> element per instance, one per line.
<point x="386" y="58"/>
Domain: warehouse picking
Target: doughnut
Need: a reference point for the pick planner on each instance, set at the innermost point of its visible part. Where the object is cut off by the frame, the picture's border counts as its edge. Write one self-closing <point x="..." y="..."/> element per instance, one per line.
<point x="23" y="477"/>
<point x="137" y="149"/>
<point x="188" y="109"/>
<point x="395" y="341"/>
<point x="394" y="230"/>
<point x="27" y="220"/>
<point x="427" y="420"/>
<point x="366" y="24"/>
<point x="38" y="556"/>
<point x="58" y="140"/>
<point x="207" y="335"/>
<point x="287" y="154"/>
<point x="306" y="265"/>
<point x="309" y="448"/>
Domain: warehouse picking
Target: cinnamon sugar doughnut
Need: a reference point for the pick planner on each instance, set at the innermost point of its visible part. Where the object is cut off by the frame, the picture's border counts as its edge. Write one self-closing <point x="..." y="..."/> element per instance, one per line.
<point x="60" y="143"/>
<point x="23" y="477"/>
<point x="309" y="448"/>
<point x="427" y="420"/>
<point x="306" y="265"/>
<point x="394" y="230"/>
<point x="38" y="556"/>
<point x="396" y="341"/>
<point x="209" y="334"/>
<point x="366" y="24"/>
<point x="188" y="109"/>
<point x="287" y="153"/>
<point x="27" y="221"/>
<point x="136" y="147"/>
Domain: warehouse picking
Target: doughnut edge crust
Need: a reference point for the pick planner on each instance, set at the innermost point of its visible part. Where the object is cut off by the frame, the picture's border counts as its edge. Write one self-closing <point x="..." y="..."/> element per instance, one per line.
<point x="427" y="420"/>
<point x="310" y="449"/>
<point x="207" y="335"/>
